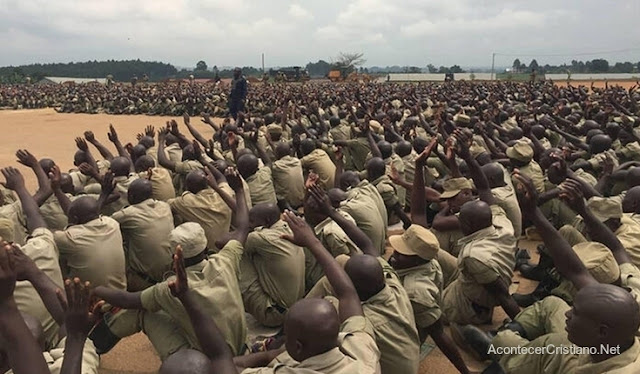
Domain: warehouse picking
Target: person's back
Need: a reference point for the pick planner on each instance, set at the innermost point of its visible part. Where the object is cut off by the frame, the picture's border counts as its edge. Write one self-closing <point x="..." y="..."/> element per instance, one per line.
<point x="261" y="187"/>
<point x="93" y="252"/>
<point x="365" y="212"/>
<point x="288" y="180"/>
<point x="320" y="163"/>
<point x="146" y="227"/>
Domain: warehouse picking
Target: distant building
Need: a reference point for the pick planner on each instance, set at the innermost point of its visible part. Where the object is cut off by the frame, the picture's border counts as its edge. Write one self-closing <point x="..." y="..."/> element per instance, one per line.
<point x="61" y="80"/>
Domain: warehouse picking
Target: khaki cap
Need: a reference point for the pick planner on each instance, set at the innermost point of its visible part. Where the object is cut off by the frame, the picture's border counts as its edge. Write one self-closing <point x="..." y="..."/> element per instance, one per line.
<point x="6" y="230"/>
<point x="604" y="209"/>
<point x="461" y="118"/>
<point x="274" y="129"/>
<point x="416" y="241"/>
<point x="396" y="103"/>
<point x="376" y="127"/>
<point x="453" y="186"/>
<point x="520" y="151"/>
<point x="190" y="236"/>
<point x="599" y="260"/>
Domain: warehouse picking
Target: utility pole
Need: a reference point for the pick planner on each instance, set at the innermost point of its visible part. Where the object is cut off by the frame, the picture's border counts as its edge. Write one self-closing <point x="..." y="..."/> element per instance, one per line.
<point x="493" y="65"/>
<point x="263" y="63"/>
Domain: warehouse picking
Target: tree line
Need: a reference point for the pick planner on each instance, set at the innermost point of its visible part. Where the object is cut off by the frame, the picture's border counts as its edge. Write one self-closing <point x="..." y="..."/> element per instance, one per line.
<point x="598" y="65"/>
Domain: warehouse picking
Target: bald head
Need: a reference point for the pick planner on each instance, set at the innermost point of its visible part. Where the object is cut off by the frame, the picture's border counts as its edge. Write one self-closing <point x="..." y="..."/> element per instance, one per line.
<point x="494" y="174"/>
<point x="83" y="210"/>
<point x="139" y="191"/>
<point x="633" y="177"/>
<point x="311" y="328"/>
<point x="147" y="142"/>
<point x="375" y="168"/>
<point x="196" y="181"/>
<point x="349" y="179"/>
<point x="403" y="148"/>
<point x="138" y="151"/>
<point x="474" y="216"/>
<point x="631" y="201"/>
<point x="282" y="149"/>
<point x="264" y="215"/>
<point x="144" y="163"/>
<point x="366" y="274"/>
<point x="47" y="164"/>
<point x="307" y="146"/>
<point x="599" y="143"/>
<point x="66" y="183"/>
<point x="336" y="196"/>
<point x="247" y="165"/>
<point x="603" y="314"/>
<point x="187" y="361"/>
<point x="385" y="149"/>
<point x="120" y="166"/>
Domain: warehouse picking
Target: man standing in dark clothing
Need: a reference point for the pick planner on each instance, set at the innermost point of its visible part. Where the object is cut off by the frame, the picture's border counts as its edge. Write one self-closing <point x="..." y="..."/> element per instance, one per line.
<point x="238" y="93"/>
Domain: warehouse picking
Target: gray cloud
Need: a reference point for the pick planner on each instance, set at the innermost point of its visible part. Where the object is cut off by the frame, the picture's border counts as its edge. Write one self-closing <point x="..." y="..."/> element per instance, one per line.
<point x="402" y="32"/>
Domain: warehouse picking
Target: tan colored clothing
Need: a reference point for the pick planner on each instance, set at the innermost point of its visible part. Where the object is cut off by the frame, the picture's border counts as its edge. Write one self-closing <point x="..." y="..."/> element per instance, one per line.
<point x="145" y="228"/>
<point x="122" y="187"/>
<point x="214" y="285"/>
<point x="341" y="132"/>
<point x="288" y="180"/>
<point x="55" y="357"/>
<point x="161" y="183"/>
<point x="6" y="196"/>
<point x="93" y="252"/>
<point x="279" y="263"/>
<point x="629" y="235"/>
<point x="333" y="237"/>
<point x="424" y="286"/>
<point x="261" y="187"/>
<point x="597" y="161"/>
<point x="534" y="171"/>
<point x="319" y="162"/>
<point x="390" y="313"/>
<point x="52" y="212"/>
<point x="173" y="152"/>
<point x="206" y="208"/>
<point x="13" y="212"/>
<point x="41" y="248"/>
<point x="181" y="170"/>
<point x="631" y="151"/>
<point x="364" y="210"/>
<point x="357" y="354"/>
<point x="506" y="198"/>
<point x="389" y="194"/>
<point x="368" y="189"/>
<point x="359" y="149"/>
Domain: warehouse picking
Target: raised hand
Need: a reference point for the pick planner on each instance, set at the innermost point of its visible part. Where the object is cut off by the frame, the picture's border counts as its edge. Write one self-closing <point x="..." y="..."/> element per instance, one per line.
<point x="185" y="118"/>
<point x="180" y="285"/>
<point x="108" y="185"/>
<point x="463" y="143"/>
<point x="321" y="199"/>
<point x="13" y="178"/>
<point x="87" y="169"/>
<point x="150" y="131"/>
<point x="89" y="136"/>
<point x="55" y="176"/>
<point x="80" y="314"/>
<point x="82" y="144"/>
<point x="174" y="127"/>
<point x="312" y="180"/>
<point x="210" y="178"/>
<point x="22" y="264"/>
<point x="26" y="158"/>
<point x="233" y="178"/>
<point x="571" y="193"/>
<point x="421" y="160"/>
<point x="526" y="193"/>
<point x="197" y="150"/>
<point x="112" y="135"/>
<point x="303" y="235"/>
<point x="394" y="175"/>
<point x="163" y="133"/>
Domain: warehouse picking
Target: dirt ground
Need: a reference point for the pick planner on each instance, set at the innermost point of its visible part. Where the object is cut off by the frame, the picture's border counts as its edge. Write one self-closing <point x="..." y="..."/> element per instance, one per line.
<point x="49" y="134"/>
<point x="597" y="83"/>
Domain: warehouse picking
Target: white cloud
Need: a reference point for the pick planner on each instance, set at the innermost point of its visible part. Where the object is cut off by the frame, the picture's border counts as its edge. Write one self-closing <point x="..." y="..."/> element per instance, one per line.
<point x="297" y="12"/>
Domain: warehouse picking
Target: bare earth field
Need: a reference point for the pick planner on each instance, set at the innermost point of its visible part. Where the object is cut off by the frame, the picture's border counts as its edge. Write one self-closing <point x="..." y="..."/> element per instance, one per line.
<point x="49" y="134"/>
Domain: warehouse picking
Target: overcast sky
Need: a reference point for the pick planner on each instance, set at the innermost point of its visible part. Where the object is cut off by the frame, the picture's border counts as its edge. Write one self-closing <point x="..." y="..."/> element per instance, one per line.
<point x="388" y="32"/>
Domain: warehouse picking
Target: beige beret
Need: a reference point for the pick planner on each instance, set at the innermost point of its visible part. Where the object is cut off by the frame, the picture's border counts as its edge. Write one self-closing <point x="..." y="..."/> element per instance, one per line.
<point x="190" y="236"/>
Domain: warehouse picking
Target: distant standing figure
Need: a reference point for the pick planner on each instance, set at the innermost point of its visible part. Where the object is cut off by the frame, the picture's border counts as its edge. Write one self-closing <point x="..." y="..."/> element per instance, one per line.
<point x="238" y="93"/>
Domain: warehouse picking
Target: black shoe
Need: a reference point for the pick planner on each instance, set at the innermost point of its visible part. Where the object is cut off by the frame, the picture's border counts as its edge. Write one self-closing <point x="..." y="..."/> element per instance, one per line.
<point x="514" y="326"/>
<point x="522" y="257"/>
<point x="472" y="339"/>
<point x="494" y="368"/>
<point x="533" y="272"/>
<point x="544" y="288"/>
<point x="103" y="339"/>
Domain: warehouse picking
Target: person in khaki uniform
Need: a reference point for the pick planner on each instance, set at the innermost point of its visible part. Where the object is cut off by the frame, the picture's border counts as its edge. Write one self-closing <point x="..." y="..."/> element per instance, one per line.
<point x="376" y="171"/>
<point x="213" y="281"/>
<point x="13" y="212"/>
<point x="350" y="182"/>
<point x="521" y="157"/>
<point x="161" y="183"/>
<point x="272" y="269"/>
<point x="288" y="179"/>
<point x="504" y="194"/>
<point x="363" y="209"/>
<point x="316" y="160"/>
<point x="145" y="226"/>
<point x="204" y="205"/>
<point x="457" y="191"/>
<point x="182" y="168"/>
<point x="415" y="260"/>
<point x="259" y="179"/>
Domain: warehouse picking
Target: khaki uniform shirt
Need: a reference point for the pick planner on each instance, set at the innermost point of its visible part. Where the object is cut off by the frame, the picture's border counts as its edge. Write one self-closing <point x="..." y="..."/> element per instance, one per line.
<point x="161" y="183"/>
<point x="13" y="212"/>
<point x="41" y="248"/>
<point x="388" y="192"/>
<point x="181" y="170"/>
<point x="319" y="162"/>
<point x="341" y="132"/>
<point x="363" y="209"/>
<point x="146" y="227"/>
<point x="357" y="354"/>
<point x="93" y="252"/>
<point x="153" y="153"/>
<point x="261" y="187"/>
<point x="370" y="190"/>
<point x="487" y="255"/>
<point x="629" y="235"/>
<point x="288" y="180"/>
<point x="506" y="198"/>
<point x="424" y="286"/>
<point x="390" y="313"/>
<point x="52" y="212"/>
<point x="173" y="152"/>
<point x="631" y="151"/>
<point x="6" y="195"/>
<point x="206" y="208"/>
<point x="214" y="285"/>
<point x="358" y="149"/>
<point x="279" y="263"/>
<point x="397" y="162"/>
<point x="55" y="357"/>
<point x="122" y="187"/>
<point x="597" y="161"/>
<point x="534" y="171"/>
<point x="334" y="238"/>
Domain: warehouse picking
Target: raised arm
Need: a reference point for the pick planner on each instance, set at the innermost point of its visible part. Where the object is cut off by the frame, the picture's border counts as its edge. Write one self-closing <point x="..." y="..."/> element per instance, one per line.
<point x="196" y="134"/>
<point x="572" y="194"/>
<point x="564" y="258"/>
<point x="63" y="200"/>
<point x="82" y="145"/>
<point x="104" y="151"/>
<point x="241" y="216"/>
<point x="353" y="232"/>
<point x="113" y="137"/>
<point x="44" y="186"/>
<point x="163" y="160"/>
<point x="479" y="179"/>
<point x="211" y="340"/>
<point x="22" y="350"/>
<point x="345" y="291"/>
<point x="418" y="196"/>
<point x="15" y="182"/>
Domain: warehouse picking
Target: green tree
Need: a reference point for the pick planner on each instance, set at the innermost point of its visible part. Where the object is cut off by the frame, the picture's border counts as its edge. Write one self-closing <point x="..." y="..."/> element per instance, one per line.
<point x="432" y="69"/>
<point x="516" y="65"/>
<point x="201" y="66"/>
<point x="456" y="69"/>
<point x="348" y="62"/>
<point x="599" y="65"/>
<point x="534" y="65"/>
